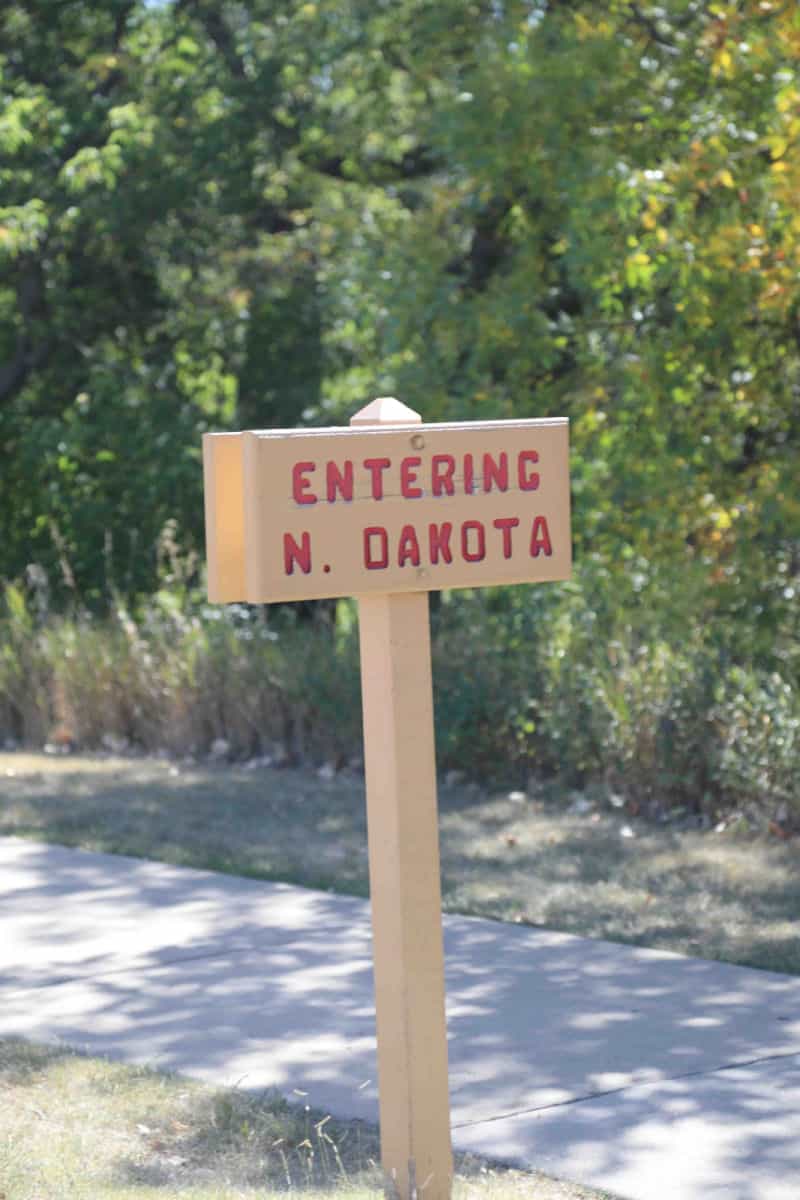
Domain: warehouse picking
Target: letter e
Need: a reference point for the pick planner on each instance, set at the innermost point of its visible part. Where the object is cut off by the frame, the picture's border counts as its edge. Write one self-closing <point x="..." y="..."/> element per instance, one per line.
<point x="408" y="478"/>
<point x="301" y="488"/>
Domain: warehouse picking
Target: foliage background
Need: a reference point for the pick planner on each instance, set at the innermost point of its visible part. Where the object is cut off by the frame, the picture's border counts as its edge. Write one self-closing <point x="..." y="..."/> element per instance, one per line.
<point x="262" y="214"/>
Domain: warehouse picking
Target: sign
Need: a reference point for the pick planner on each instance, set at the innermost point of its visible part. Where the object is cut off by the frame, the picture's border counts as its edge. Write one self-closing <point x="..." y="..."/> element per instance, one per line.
<point x="307" y="514"/>
<point x="387" y="510"/>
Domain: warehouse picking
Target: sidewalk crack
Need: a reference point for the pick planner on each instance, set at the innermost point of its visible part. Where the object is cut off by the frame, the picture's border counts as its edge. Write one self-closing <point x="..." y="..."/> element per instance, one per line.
<point x="627" y="1087"/>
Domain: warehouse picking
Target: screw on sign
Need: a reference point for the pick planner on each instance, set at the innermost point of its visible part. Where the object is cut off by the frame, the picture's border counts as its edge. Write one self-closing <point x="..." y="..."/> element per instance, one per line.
<point x="386" y="510"/>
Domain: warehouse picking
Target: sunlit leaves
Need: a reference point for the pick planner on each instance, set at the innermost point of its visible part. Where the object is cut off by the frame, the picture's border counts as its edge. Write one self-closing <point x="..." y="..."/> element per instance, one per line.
<point x="264" y="213"/>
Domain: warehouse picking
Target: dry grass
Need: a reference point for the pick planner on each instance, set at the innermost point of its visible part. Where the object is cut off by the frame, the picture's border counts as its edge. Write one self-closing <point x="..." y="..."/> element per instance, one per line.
<point x="76" y="1128"/>
<point x="565" y="682"/>
<point x="732" y="896"/>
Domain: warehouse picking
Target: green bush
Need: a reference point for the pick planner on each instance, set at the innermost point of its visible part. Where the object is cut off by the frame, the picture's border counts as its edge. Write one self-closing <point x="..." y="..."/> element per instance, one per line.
<point x="756" y="718"/>
<point x="26" y="679"/>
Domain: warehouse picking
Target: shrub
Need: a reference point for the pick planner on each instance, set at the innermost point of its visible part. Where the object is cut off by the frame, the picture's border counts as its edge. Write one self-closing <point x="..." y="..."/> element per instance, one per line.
<point x="756" y="717"/>
<point x="580" y="682"/>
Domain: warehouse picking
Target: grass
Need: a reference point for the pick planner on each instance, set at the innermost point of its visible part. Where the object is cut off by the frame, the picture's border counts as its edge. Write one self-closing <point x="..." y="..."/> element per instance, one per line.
<point x="81" y="1128"/>
<point x="582" y="866"/>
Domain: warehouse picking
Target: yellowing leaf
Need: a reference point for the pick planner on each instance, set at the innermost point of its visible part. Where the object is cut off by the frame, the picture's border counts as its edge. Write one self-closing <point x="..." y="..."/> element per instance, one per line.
<point x="723" y="64"/>
<point x="786" y="99"/>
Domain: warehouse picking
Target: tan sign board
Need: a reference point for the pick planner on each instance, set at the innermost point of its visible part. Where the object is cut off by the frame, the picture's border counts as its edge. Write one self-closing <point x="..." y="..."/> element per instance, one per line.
<point x="307" y="514"/>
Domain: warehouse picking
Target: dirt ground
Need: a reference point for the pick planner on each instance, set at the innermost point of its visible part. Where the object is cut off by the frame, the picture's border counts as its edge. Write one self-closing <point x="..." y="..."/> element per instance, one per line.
<point x="565" y="862"/>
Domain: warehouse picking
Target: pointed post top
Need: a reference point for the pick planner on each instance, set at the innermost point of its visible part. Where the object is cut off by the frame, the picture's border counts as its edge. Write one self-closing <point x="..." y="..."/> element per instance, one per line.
<point x="386" y="411"/>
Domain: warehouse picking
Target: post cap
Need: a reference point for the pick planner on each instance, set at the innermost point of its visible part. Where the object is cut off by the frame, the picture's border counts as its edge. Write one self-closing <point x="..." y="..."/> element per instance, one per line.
<point x="385" y="410"/>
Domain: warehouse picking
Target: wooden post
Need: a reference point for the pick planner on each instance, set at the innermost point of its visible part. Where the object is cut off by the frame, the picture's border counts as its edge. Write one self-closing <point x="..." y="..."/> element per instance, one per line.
<point x="404" y="877"/>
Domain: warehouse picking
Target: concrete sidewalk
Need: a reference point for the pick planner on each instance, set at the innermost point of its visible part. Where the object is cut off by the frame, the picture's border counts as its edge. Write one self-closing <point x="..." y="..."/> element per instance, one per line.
<point x="655" y="1076"/>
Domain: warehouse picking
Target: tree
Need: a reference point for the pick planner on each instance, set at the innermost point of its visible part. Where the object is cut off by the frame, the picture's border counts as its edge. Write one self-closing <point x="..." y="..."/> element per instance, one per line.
<point x="255" y="214"/>
<point x="614" y="237"/>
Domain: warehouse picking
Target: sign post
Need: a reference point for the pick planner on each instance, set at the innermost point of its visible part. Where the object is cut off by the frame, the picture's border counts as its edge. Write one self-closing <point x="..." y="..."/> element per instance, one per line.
<point x="404" y="879"/>
<point x="388" y="510"/>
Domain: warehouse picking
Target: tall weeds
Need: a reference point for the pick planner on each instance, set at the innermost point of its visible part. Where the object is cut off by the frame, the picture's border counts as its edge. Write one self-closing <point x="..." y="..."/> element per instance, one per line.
<point x="177" y="680"/>
<point x="546" y="686"/>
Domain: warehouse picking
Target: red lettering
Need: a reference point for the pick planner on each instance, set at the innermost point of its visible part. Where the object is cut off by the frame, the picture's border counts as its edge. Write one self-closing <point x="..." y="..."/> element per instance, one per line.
<point x="540" y="538"/>
<point x="376" y="467"/>
<point x="495" y="473"/>
<point x="408" y="547"/>
<point x="505" y="525"/>
<point x="370" y="561"/>
<point x="469" y="474"/>
<point x="442" y="469"/>
<point x="439" y="541"/>
<point x="408" y="478"/>
<point x="341" y="480"/>
<point x="292" y="553"/>
<point x="479" y="552"/>
<point x="300" y="486"/>
<point x="528" y="480"/>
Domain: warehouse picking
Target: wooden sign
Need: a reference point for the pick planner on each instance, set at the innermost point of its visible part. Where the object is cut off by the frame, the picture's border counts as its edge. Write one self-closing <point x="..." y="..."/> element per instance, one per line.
<point x="387" y="510"/>
<point x="306" y="514"/>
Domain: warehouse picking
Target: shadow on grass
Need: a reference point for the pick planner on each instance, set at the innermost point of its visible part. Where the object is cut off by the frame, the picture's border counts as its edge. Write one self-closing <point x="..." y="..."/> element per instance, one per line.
<point x="181" y="1135"/>
<point x="724" y="898"/>
<point x="275" y="825"/>
<point x="22" y="1063"/>
<point x="250" y="1142"/>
